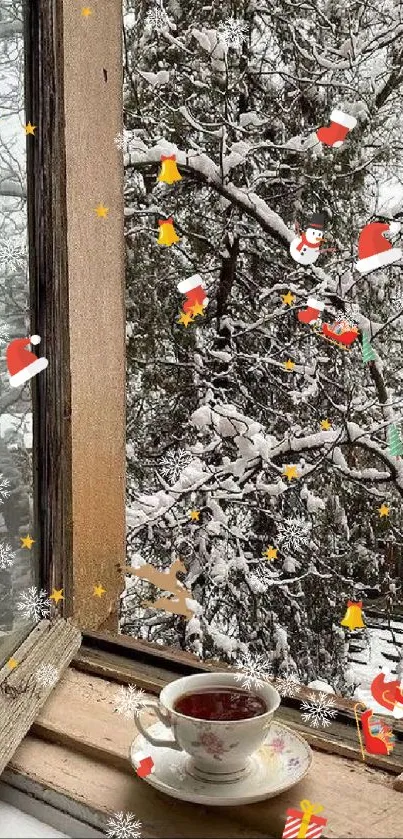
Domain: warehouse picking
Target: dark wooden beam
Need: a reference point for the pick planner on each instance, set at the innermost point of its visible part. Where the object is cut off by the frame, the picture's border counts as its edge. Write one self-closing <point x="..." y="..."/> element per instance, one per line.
<point x="47" y="231"/>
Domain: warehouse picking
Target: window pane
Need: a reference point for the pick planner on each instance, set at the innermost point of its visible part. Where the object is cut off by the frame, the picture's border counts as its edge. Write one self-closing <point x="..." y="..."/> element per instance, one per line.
<point x="18" y="564"/>
<point x="262" y="455"/>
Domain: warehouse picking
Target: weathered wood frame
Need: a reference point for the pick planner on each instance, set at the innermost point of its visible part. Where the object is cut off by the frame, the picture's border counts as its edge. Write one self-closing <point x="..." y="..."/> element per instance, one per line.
<point x="77" y="300"/>
<point x="21" y="694"/>
<point x="46" y="193"/>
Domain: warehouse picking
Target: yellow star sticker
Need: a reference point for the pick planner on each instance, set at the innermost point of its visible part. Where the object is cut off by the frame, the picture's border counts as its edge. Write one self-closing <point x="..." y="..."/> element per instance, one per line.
<point x="194" y="515"/>
<point x="101" y="211"/>
<point x="383" y="510"/>
<point x="86" y="11"/>
<point x="197" y="309"/>
<point x="29" y="129"/>
<point x="99" y="591"/>
<point x="27" y="542"/>
<point x="325" y="425"/>
<point x="289" y="365"/>
<point x="288" y="298"/>
<point x="12" y="663"/>
<point x="185" y="319"/>
<point x="290" y="472"/>
<point x="270" y="553"/>
<point x="57" y="594"/>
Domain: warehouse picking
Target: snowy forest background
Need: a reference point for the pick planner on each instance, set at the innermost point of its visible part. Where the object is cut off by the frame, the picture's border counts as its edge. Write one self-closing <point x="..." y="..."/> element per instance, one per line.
<point x="19" y="568"/>
<point x="213" y="416"/>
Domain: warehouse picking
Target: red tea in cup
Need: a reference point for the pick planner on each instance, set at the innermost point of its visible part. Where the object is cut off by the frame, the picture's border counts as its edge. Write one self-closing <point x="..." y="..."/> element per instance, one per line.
<point x="222" y="704"/>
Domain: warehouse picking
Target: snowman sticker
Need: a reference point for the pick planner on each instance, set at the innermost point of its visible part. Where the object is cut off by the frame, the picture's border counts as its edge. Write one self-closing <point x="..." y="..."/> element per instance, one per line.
<point x="305" y="248"/>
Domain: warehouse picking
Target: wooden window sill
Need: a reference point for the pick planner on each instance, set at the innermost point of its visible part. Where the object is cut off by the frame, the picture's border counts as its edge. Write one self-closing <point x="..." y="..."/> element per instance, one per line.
<point x="128" y="660"/>
<point x="77" y="754"/>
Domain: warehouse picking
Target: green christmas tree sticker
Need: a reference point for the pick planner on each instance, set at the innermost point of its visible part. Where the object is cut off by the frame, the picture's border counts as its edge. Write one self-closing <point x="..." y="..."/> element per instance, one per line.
<point x="395" y="442"/>
<point x="367" y="350"/>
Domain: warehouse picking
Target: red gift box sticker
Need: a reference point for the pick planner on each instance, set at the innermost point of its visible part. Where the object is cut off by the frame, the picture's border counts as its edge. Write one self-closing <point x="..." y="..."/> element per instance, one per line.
<point x="304" y="823"/>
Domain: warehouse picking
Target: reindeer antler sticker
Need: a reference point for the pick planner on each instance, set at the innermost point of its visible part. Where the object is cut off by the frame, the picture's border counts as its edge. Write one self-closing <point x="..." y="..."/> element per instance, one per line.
<point x="167" y="582"/>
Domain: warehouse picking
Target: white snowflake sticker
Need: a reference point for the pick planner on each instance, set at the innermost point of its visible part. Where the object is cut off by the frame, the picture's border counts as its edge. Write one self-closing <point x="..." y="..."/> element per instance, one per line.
<point x="352" y="313"/>
<point x="157" y="18"/>
<point x="123" y="140"/>
<point x="318" y="710"/>
<point x="173" y="463"/>
<point x="34" y="603"/>
<point x="129" y="701"/>
<point x="233" y="32"/>
<point x="5" y="490"/>
<point x="254" y="669"/>
<point x="12" y="255"/>
<point x="123" y="826"/>
<point x="7" y="555"/>
<point x="294" y="534"/>
<point x="47" y="675"/>
<point x="287" y="686"/>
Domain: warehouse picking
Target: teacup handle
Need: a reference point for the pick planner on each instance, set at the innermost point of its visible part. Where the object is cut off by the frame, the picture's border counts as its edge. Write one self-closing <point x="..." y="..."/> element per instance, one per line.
<point x="164" y="718"/>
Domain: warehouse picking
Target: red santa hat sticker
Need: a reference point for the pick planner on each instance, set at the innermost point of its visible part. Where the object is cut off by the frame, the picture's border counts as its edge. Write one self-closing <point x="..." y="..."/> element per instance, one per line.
<point x="374" y="250"/>
<point x="22" y="363"/>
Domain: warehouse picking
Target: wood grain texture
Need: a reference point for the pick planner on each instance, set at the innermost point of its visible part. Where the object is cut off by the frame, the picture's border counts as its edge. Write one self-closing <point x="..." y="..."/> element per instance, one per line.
<point x="131" y="661"/>
<point x="358" y="800"/>
<point x="93" y="91"/>
<point x="47" y="231"/>
<point x="21" y="697"/>
<point x="77" y="300"/>
<point x="398" y="783"/>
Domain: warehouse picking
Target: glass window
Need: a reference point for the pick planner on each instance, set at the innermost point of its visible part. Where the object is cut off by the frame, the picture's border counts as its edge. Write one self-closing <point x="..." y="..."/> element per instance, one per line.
<point x="262" y="455"/>
<point x="18" y="562"/>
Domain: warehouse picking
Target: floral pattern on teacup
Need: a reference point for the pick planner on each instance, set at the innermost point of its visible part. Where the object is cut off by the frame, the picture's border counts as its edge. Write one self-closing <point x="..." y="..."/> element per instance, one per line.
<point x="213" y="745"/>
<point x="293" y="763"/>
<point x="277" y="745"/>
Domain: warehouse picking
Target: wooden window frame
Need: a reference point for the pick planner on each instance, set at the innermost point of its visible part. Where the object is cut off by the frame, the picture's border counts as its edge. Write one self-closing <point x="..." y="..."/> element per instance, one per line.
<point x="79" y="406"/>
<point x="76" y="261"/>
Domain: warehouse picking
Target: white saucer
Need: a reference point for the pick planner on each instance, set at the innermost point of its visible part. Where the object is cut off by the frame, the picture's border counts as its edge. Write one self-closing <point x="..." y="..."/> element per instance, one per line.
<point x="280" y="763"/>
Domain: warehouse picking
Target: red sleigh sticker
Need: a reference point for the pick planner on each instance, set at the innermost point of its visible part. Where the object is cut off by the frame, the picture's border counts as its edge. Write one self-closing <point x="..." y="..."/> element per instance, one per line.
<point x="376" y="738"/>
<point x="340" y="332"/>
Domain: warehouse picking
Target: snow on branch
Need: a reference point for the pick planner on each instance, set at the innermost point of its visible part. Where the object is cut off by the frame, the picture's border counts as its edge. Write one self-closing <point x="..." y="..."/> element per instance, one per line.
<point x="254" y="450"/>
<point x="10" y="28"/>
<point x="11" y="187"/>
<point x="206" y="170"/>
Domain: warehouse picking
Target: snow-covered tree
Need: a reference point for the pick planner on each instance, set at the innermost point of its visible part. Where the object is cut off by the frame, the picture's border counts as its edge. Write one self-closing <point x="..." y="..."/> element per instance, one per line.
<point x="15" y="405"/>
<point x="214" y="399"/>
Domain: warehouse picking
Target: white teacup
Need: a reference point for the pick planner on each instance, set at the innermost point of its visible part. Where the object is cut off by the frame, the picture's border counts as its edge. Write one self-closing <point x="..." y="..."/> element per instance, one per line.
<point x="219" y="749"/>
